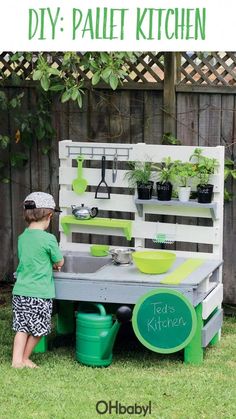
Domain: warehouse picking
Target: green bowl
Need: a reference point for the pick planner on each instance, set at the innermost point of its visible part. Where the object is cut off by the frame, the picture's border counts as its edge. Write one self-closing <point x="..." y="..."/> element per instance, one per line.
<point x="153" y="262"/>
<point x="99" y="250"/>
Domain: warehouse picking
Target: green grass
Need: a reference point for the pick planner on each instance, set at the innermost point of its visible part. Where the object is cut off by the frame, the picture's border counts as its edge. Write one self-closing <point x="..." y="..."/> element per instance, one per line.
<point x="62" y="388"/>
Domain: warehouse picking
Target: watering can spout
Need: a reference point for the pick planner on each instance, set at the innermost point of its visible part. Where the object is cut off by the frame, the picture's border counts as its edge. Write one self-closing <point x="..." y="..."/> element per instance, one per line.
<point x="107" y="338"/>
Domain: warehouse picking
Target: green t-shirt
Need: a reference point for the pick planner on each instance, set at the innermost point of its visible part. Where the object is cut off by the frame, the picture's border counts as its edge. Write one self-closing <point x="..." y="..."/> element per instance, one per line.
<point x="37" y="252"/>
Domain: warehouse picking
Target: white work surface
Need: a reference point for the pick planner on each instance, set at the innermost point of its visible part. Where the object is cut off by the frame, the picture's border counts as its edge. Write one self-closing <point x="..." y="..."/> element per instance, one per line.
<point x="124" y="274"/>
<point x="125" y="284"/>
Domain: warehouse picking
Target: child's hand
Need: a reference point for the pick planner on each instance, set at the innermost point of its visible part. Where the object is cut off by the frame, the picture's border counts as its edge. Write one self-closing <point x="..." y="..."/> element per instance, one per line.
<point x="56" y="267"/>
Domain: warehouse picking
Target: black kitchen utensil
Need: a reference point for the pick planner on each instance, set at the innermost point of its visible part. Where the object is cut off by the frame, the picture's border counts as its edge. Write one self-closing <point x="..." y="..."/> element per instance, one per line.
<point x="103" y="190"/>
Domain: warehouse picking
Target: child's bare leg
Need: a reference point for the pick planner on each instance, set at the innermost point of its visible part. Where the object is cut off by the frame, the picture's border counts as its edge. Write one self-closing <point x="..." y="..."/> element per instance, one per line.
<point x="30" y="344"/>
<point x="18" y="349"/>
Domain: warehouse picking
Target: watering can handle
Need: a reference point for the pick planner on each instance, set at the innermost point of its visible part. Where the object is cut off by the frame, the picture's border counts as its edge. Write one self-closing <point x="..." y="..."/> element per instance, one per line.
<point x="101" y="308"/>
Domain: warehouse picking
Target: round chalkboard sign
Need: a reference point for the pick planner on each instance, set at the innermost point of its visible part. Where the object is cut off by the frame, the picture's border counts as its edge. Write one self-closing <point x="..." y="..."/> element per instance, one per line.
<point x="164" y="320"/>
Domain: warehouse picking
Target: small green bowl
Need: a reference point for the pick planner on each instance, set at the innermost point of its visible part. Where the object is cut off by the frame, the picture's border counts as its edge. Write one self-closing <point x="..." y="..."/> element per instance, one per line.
<point x="99" y="250"/>
<point x="153" y="262"/>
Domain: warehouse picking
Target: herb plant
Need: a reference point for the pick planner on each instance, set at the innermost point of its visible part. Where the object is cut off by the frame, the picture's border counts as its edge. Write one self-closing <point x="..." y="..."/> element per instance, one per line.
<point x="205" y="166"/>
<point x="139" y="173"/>
<point x="183" y="172"/>
<point x="164" y="170"/>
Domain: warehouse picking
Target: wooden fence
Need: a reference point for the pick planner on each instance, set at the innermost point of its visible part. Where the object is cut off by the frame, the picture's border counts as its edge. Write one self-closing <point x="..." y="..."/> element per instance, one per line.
<point x="202" y="115"/>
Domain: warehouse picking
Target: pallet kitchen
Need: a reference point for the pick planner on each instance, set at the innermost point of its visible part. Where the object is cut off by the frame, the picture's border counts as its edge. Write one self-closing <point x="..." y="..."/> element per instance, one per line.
<point x="179" y="308"/>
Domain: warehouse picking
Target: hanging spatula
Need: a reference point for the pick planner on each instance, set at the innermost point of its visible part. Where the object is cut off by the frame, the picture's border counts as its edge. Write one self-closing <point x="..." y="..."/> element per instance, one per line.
<point x="103" y="190"/>
<point x="79" y="184"/>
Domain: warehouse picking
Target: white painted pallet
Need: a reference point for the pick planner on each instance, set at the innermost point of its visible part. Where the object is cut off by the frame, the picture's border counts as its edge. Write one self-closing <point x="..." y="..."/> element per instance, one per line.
<point x="123" y="202"/>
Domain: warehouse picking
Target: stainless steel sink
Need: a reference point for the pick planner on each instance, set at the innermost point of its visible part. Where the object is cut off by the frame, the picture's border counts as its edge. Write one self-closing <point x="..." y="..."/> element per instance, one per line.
<point x="76" y="262"/>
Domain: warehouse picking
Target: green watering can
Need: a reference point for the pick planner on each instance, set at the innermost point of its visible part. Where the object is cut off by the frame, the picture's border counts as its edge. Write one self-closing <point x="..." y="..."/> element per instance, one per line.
<point x="96" y="334"/>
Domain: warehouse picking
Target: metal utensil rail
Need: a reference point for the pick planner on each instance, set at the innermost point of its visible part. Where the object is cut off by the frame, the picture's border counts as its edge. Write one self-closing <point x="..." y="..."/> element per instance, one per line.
<point x="97" y="151"/>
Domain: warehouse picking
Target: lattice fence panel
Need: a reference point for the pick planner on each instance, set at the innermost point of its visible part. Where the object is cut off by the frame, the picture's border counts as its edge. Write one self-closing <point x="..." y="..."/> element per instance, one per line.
<point x="149" y="67"/>
<point x="212" y="69"/>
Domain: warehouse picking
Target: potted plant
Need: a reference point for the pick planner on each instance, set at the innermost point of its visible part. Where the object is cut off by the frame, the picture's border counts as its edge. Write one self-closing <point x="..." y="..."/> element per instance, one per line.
<point x="183" y="173"/>
<point x="139" y="176"/>
<point x="205" y="167"/>
<point x="163" y="185"/>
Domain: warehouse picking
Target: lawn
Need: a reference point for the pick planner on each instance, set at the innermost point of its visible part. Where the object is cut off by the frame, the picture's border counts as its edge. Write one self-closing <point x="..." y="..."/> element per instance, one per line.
<point x="62" y="388"/>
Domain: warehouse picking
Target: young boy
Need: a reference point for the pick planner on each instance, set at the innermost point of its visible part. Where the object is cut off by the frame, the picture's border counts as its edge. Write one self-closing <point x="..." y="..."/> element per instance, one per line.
<point x="38" y="254"/>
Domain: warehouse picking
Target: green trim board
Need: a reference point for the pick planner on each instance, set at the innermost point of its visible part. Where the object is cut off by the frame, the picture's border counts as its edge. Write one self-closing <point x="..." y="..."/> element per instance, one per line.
<point x="164" y="320"/>
<point x="125" y="225"/>
<point x="182" y="272"/>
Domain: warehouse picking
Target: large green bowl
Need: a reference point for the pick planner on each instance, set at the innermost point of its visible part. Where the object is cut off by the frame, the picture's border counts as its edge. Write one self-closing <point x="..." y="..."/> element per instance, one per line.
<point x="153" y="262"/>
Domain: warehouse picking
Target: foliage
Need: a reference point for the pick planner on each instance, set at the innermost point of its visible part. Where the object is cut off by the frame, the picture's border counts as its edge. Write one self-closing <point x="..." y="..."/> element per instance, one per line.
<point x="229" y="173"/>
<point x="165" y="170"/>
<point x="139" y="173"/>
<point x="110" y="67"/>
<point x="65" y="81"/>
<point x="229" y="169"/>
<point x="36" y="124"/>
<point x="183" y="172"/>
<point x="205" y="166"/>
<point x="169" y="139"/>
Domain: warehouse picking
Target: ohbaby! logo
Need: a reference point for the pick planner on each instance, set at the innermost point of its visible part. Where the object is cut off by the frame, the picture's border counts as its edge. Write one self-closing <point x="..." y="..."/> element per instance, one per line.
<point x="108" y="407"/>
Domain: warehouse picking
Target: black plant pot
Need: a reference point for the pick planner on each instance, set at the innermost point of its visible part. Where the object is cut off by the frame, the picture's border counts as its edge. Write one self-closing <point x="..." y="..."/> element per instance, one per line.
<point x="205" y="193"/>
<point x="164" y="191"/>
<point x="145" y="190"/>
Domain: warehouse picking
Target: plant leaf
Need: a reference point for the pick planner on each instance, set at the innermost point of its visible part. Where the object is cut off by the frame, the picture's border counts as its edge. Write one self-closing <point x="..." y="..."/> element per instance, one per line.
<point x="74" y="94"/>
<point x="45" y="82"/>
<point x="5" y="180"/>
<point x="226" y="173"/>
<point x="53" y="71"/>
<point x="37" y="75"/>
<point x="4" y="141"/>
<point x="113" y="81"/>
<point x="66" y="96"/>
<point x="233" y="173"/>
<point x="18" y="159"/>
<point x="229" y="162"/>
<point x="57" y="87"/>
<point x="106" y="73"/>
<point x="79" y="100"/>
<point x="96" y="78"/>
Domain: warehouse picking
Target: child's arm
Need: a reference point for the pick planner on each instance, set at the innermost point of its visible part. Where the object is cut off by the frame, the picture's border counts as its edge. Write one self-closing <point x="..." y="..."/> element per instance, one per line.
<point x="55" y="253"/>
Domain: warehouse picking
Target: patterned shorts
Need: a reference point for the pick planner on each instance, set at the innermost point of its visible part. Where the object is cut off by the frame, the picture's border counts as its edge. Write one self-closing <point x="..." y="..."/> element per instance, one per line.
<point x="32" y="315"/>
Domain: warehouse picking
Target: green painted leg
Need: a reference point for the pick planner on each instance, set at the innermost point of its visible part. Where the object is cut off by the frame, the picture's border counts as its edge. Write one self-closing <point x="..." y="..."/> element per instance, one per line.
<point x="42" y="346"/>
<point x="193" y="353"/>
<point x="65" y="317"/>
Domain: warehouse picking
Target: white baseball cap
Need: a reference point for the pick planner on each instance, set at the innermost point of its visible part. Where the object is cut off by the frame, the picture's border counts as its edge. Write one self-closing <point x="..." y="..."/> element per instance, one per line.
<point x="40" y="200"/>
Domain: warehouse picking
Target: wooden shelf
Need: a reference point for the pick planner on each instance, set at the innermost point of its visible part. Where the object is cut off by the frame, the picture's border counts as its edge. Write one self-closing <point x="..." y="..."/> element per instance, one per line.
<point x="176" y="203"/>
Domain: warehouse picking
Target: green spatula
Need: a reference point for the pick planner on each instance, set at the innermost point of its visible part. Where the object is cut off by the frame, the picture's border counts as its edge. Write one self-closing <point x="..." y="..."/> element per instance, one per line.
<point x="79" y="184"/>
